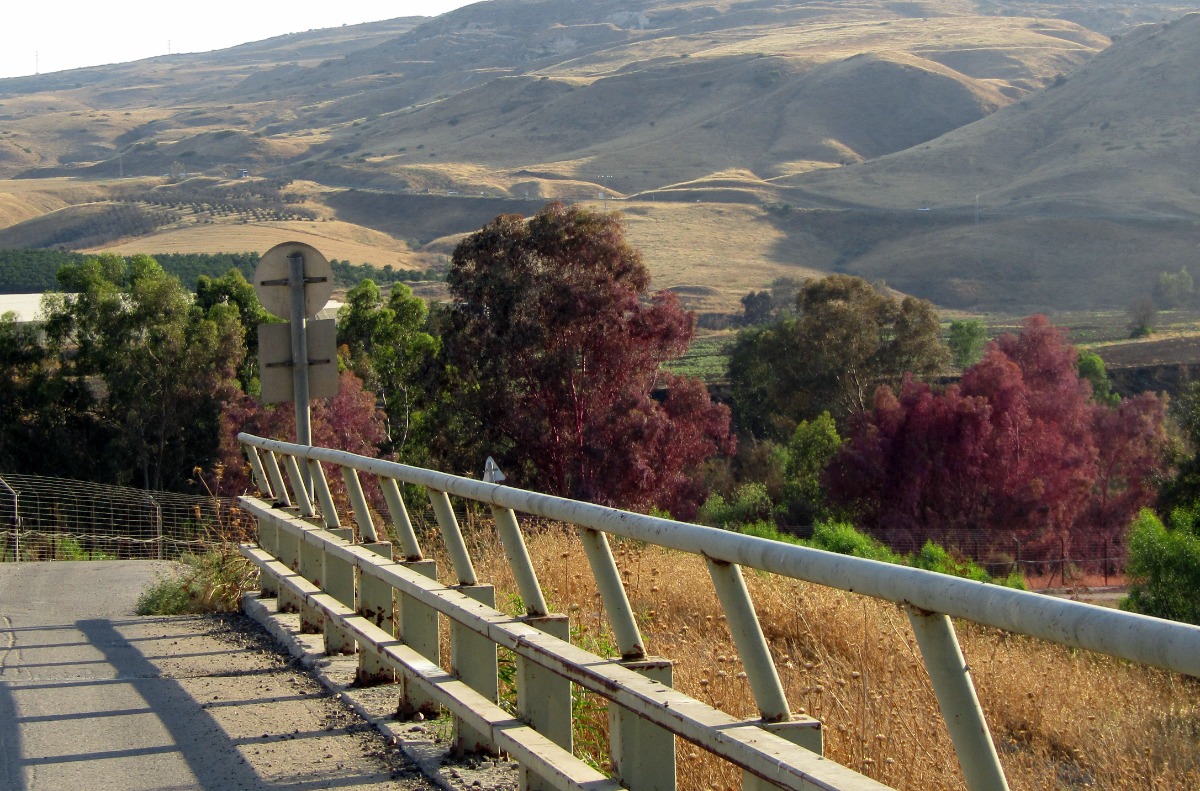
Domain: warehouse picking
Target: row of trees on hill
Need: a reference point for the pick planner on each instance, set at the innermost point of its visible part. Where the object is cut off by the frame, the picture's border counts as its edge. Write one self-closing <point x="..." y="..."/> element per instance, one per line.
<point x="26" y="271"/>
<point x="549" y="357"/>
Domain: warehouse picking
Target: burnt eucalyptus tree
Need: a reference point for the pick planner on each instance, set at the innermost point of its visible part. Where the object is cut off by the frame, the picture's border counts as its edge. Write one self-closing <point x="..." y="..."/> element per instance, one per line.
<point x="552" y="351"/>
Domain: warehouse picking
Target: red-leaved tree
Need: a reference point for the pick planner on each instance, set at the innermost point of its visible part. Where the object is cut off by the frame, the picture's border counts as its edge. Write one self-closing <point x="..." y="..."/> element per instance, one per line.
<point x="1017" y="451"/>
<point x="349" y="421"/>
<point x="554" y="348"/>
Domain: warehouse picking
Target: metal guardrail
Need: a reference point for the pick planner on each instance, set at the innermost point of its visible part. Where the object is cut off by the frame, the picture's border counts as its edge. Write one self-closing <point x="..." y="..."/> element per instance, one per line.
<point x="642" y="712"/>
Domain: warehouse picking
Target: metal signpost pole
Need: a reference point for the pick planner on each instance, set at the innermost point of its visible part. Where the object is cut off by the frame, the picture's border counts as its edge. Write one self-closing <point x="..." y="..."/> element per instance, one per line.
<point x="299" y="349"/>
<point x="300" y="356"/>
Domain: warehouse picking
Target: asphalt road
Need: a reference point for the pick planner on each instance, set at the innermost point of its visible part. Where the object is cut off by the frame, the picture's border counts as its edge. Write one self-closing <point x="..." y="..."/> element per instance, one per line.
<point x="93" y="696"/>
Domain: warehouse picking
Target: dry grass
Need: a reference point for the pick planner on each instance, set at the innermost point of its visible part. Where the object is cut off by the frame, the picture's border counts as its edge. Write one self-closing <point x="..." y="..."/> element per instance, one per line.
<point x="1061" y="719"/>
<point x="340" y="240"/>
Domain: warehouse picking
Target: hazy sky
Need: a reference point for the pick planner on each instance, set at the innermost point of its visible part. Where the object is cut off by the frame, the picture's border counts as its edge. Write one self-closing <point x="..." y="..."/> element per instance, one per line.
<point x="46" y="36"/>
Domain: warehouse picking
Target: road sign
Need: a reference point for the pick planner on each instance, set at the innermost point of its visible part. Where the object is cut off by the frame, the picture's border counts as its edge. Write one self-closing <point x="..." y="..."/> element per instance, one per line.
<point x="271" y="279"/>
<point x="275" y="361"/>
<point x="294" y="281"/>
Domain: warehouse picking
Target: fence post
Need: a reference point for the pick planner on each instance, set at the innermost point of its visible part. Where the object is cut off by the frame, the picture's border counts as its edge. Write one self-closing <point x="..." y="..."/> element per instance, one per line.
<point x="1062" y="564"/>
<point x="16" y="521"/>
<point x="643" y="754"/>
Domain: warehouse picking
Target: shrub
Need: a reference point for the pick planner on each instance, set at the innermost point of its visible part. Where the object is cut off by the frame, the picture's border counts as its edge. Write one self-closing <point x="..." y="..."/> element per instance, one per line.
<point x="934" y="557"/>
<point x="750" y="504"/>
<point x="213" y="582"/>
<point x="1164" y="566"/>
<point x="842" y="538"/>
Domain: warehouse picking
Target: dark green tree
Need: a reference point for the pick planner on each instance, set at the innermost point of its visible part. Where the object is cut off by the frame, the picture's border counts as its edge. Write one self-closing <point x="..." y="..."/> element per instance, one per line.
<point x="234" y="290"/>
<point x="813" y="445"/>
<point x="847" y="339"/>
<point x="387" y="348"/>
<point x="967" y="337"/>
<point x="1143" y="317"/>
<point x="159" y="365"/>
<point x="1164" y="565"/>
<point x="1091" y="368"/>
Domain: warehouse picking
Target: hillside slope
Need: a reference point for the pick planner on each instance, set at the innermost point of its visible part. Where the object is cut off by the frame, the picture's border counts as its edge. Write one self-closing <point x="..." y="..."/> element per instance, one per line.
<point x="1084" y="191"/>
<point x="832" y="125"/>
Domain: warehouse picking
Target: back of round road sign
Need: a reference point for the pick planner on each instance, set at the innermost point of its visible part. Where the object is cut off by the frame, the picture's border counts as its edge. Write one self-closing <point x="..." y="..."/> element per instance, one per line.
<point x="271" y="279"/>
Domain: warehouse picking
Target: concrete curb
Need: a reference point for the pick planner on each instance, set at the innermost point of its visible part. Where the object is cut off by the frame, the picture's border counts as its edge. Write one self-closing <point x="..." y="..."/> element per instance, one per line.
<point x="377" y="706"/>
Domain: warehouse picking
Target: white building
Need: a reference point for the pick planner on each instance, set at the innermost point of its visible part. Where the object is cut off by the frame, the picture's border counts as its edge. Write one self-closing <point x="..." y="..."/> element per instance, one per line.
<point x="27" y="307"/>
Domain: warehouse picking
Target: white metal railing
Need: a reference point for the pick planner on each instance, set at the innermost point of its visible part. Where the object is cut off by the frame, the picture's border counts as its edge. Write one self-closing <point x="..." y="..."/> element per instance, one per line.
<point x="645" y="714"/>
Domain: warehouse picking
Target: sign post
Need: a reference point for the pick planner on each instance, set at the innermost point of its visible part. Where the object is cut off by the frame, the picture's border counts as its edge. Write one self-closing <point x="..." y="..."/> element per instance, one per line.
<point x="298" y="359"/>
<point x="296" y="284"/>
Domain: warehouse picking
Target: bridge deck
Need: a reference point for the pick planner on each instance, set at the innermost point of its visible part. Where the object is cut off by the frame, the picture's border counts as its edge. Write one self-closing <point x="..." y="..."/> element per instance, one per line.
<point x="104" y="699"/>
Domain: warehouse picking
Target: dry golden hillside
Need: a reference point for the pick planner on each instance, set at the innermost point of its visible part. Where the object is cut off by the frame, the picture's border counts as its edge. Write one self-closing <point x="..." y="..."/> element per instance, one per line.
<point x="811" y="134"/>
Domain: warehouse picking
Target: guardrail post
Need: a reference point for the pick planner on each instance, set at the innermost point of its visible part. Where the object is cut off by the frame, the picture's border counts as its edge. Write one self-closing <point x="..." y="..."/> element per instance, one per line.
<point x="452" y="538"/>
<point x="643" y="754"/>
<point x="749" y="640"/>
<point x="473" y="659"/>
<point x="316" y="474"/>
<point x="358" y="501"/>
<point x="375" y="603"/>
<point x="338" y="582"/>
<point x="417" y="627"/>
<point x="774" y="713"/>
<point x="405" y="535"/>
<point x="956" y="696"/>
<point x="288" y="545"/>
<point x="256" y="467"/>
<point x="300" y="488"/>
<point x="612" y="593"/>
<point x="543" y="696"/>
<point x="268" y="540"/>
<point x="278" y="489"/>
<point x="312" y="568"/>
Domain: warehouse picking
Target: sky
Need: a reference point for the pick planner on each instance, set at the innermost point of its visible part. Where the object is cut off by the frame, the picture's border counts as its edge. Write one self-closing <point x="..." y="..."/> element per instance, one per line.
<point x="45" y="36"/>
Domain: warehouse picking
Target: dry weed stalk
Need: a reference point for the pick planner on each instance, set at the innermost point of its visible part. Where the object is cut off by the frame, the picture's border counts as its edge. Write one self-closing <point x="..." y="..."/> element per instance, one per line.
<point x="1060" y="718"/>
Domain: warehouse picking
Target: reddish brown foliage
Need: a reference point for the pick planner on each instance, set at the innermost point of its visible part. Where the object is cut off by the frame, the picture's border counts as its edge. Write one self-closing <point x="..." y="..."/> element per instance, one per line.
<point x="349" y="421"/>
<point x="559" y="350"/>
<point x="1017" y="451"/>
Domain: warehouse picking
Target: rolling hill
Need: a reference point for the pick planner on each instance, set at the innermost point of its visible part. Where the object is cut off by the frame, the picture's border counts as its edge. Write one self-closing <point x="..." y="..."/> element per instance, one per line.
<point x="1083" y="189"/>
<point x="818" y="130"/>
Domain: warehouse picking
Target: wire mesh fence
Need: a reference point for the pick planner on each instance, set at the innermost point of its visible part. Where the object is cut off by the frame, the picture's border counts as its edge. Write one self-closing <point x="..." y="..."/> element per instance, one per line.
<point x="61" y="519"/>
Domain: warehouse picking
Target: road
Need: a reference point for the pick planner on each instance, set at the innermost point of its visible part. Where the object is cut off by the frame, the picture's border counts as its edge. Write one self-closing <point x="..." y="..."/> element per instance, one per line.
<point x="103" y="699"/>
